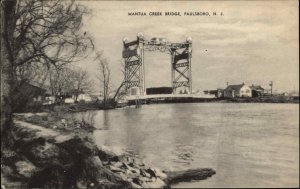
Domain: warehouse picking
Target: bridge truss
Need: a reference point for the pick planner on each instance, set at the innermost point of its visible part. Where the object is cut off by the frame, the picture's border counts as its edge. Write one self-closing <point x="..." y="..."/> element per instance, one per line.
<point x="133" y="55"/>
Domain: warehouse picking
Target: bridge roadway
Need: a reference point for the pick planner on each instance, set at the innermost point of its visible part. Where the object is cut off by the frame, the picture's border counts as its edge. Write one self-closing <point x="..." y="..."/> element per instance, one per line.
<point x="169" y="96"/>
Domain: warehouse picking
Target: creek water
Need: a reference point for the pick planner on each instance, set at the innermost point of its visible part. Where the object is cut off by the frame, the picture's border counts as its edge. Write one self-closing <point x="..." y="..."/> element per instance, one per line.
<point x="249" y="145"/>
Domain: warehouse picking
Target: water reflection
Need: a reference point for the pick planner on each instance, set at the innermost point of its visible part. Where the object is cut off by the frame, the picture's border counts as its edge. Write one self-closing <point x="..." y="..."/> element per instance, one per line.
<point x="106" y="122"/>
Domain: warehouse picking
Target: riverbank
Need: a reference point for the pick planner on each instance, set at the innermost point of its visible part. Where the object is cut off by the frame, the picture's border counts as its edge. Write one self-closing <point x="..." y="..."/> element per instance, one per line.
<point x="50" y="152"/>
<point x="170" y="100"/>
<point x="89" y="106"/>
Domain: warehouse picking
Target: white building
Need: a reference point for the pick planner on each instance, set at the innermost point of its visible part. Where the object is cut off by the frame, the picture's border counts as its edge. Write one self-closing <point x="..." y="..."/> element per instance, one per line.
<point x="241" y="90"/>
<point x="83" y="97"/>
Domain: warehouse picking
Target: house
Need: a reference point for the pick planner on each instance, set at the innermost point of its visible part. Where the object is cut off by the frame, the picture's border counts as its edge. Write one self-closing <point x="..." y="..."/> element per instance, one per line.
<point x="241" y="90"/>
<point x="77" y="96"/>
<point x="285" y="94"/>
<point x="69" y="101"/>
<point x="218" y="92"/>
<point x="84" y="97"/>
<point x="257" y="90"/>
<point x="30" y="92"/>
<point x="73" y="96"/>
<point x="26" y="95"/>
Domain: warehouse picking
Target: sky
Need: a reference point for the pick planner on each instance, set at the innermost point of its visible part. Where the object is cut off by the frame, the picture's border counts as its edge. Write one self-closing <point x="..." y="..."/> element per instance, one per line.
<point x="253" y="42"/>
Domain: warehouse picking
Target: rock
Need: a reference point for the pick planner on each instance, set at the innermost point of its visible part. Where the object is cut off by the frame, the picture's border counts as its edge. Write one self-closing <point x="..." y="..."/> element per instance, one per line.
<point x="148" y="175"/>
<point x="129" y="160"/>
<point x="145" y="179"/>
<point x="115" y="169"/>
<point x="47" y="150"/>
<point x="125" y="166"/>
<point x="159" y="173"/>
<point x="80" y="184"/>
<point x="44" y="154"/>
<point x="124" y="177"/>
<point x="95" y="172"/>
<point x="77" y="145"/>
<point x="26" y="168"/>
<point x="142" y="164"/>
<point x="131" y="164"/>
<point x="63" y="138"/>
<point x="151" y="172"/>
<point x="118" y="164"/>
<point x="133" y="170"/>
<point x="137" y="181"/>
<point x="116" y="151"/>
<point x="107" y="155"/>
<point x="142" y="172"/>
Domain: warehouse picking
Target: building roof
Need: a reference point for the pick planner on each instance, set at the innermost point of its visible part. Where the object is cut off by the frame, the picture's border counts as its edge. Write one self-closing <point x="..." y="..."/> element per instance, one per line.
<point x="234" y="87"/>
<point x="25" y="85"/>
<point x="256" y="87"/>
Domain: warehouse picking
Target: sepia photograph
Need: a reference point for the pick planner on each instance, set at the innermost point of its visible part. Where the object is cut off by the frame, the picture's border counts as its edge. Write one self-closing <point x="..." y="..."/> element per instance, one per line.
<point x="149" y="94"/>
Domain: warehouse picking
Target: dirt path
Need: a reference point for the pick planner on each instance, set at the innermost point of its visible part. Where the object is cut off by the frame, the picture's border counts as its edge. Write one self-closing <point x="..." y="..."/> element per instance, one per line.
<point x="44" y="132"/>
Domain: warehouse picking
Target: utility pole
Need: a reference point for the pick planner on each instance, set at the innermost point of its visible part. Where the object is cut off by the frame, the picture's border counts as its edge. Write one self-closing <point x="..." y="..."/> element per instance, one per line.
<point x="271" y="85"/>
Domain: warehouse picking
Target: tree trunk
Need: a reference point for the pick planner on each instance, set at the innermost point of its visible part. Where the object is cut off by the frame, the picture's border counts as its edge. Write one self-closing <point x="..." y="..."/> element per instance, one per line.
<point x="188" y="175"/>
<point x="7" y="70"/>
<point x="115" y="99"/>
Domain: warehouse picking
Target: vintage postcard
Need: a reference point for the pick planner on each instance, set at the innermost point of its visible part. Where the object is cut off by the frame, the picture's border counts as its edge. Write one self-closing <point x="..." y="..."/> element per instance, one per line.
<point x="149" y="94"/>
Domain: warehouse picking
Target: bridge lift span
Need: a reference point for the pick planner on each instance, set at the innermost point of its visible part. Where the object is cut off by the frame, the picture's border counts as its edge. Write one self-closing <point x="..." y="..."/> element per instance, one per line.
<point x="133" y="55"/>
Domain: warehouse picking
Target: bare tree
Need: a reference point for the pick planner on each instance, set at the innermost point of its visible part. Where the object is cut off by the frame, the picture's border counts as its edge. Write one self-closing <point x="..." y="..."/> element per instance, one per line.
<point x="81" y="82"/>
<point x="60" y="80"/>
<point x="104" y="77"/>
<point x="121" y="90"/>
<point x="35" y="72"/>
<point x="66" y="80"/>
<point x="36" y="31"/>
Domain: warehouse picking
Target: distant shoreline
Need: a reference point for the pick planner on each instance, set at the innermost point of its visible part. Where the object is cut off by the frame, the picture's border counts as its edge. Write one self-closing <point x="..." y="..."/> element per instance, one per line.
<point x="275" y="99"/>
<point x="94" y="106"/>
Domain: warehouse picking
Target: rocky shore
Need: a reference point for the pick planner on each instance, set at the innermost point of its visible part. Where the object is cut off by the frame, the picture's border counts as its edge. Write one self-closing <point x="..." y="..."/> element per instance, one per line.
<point x="54" y="157"/>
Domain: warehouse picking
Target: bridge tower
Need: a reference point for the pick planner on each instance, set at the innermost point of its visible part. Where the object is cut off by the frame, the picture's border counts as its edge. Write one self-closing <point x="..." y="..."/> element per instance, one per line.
<point x="181" y="65"/>
<point x="133" y="55"/>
